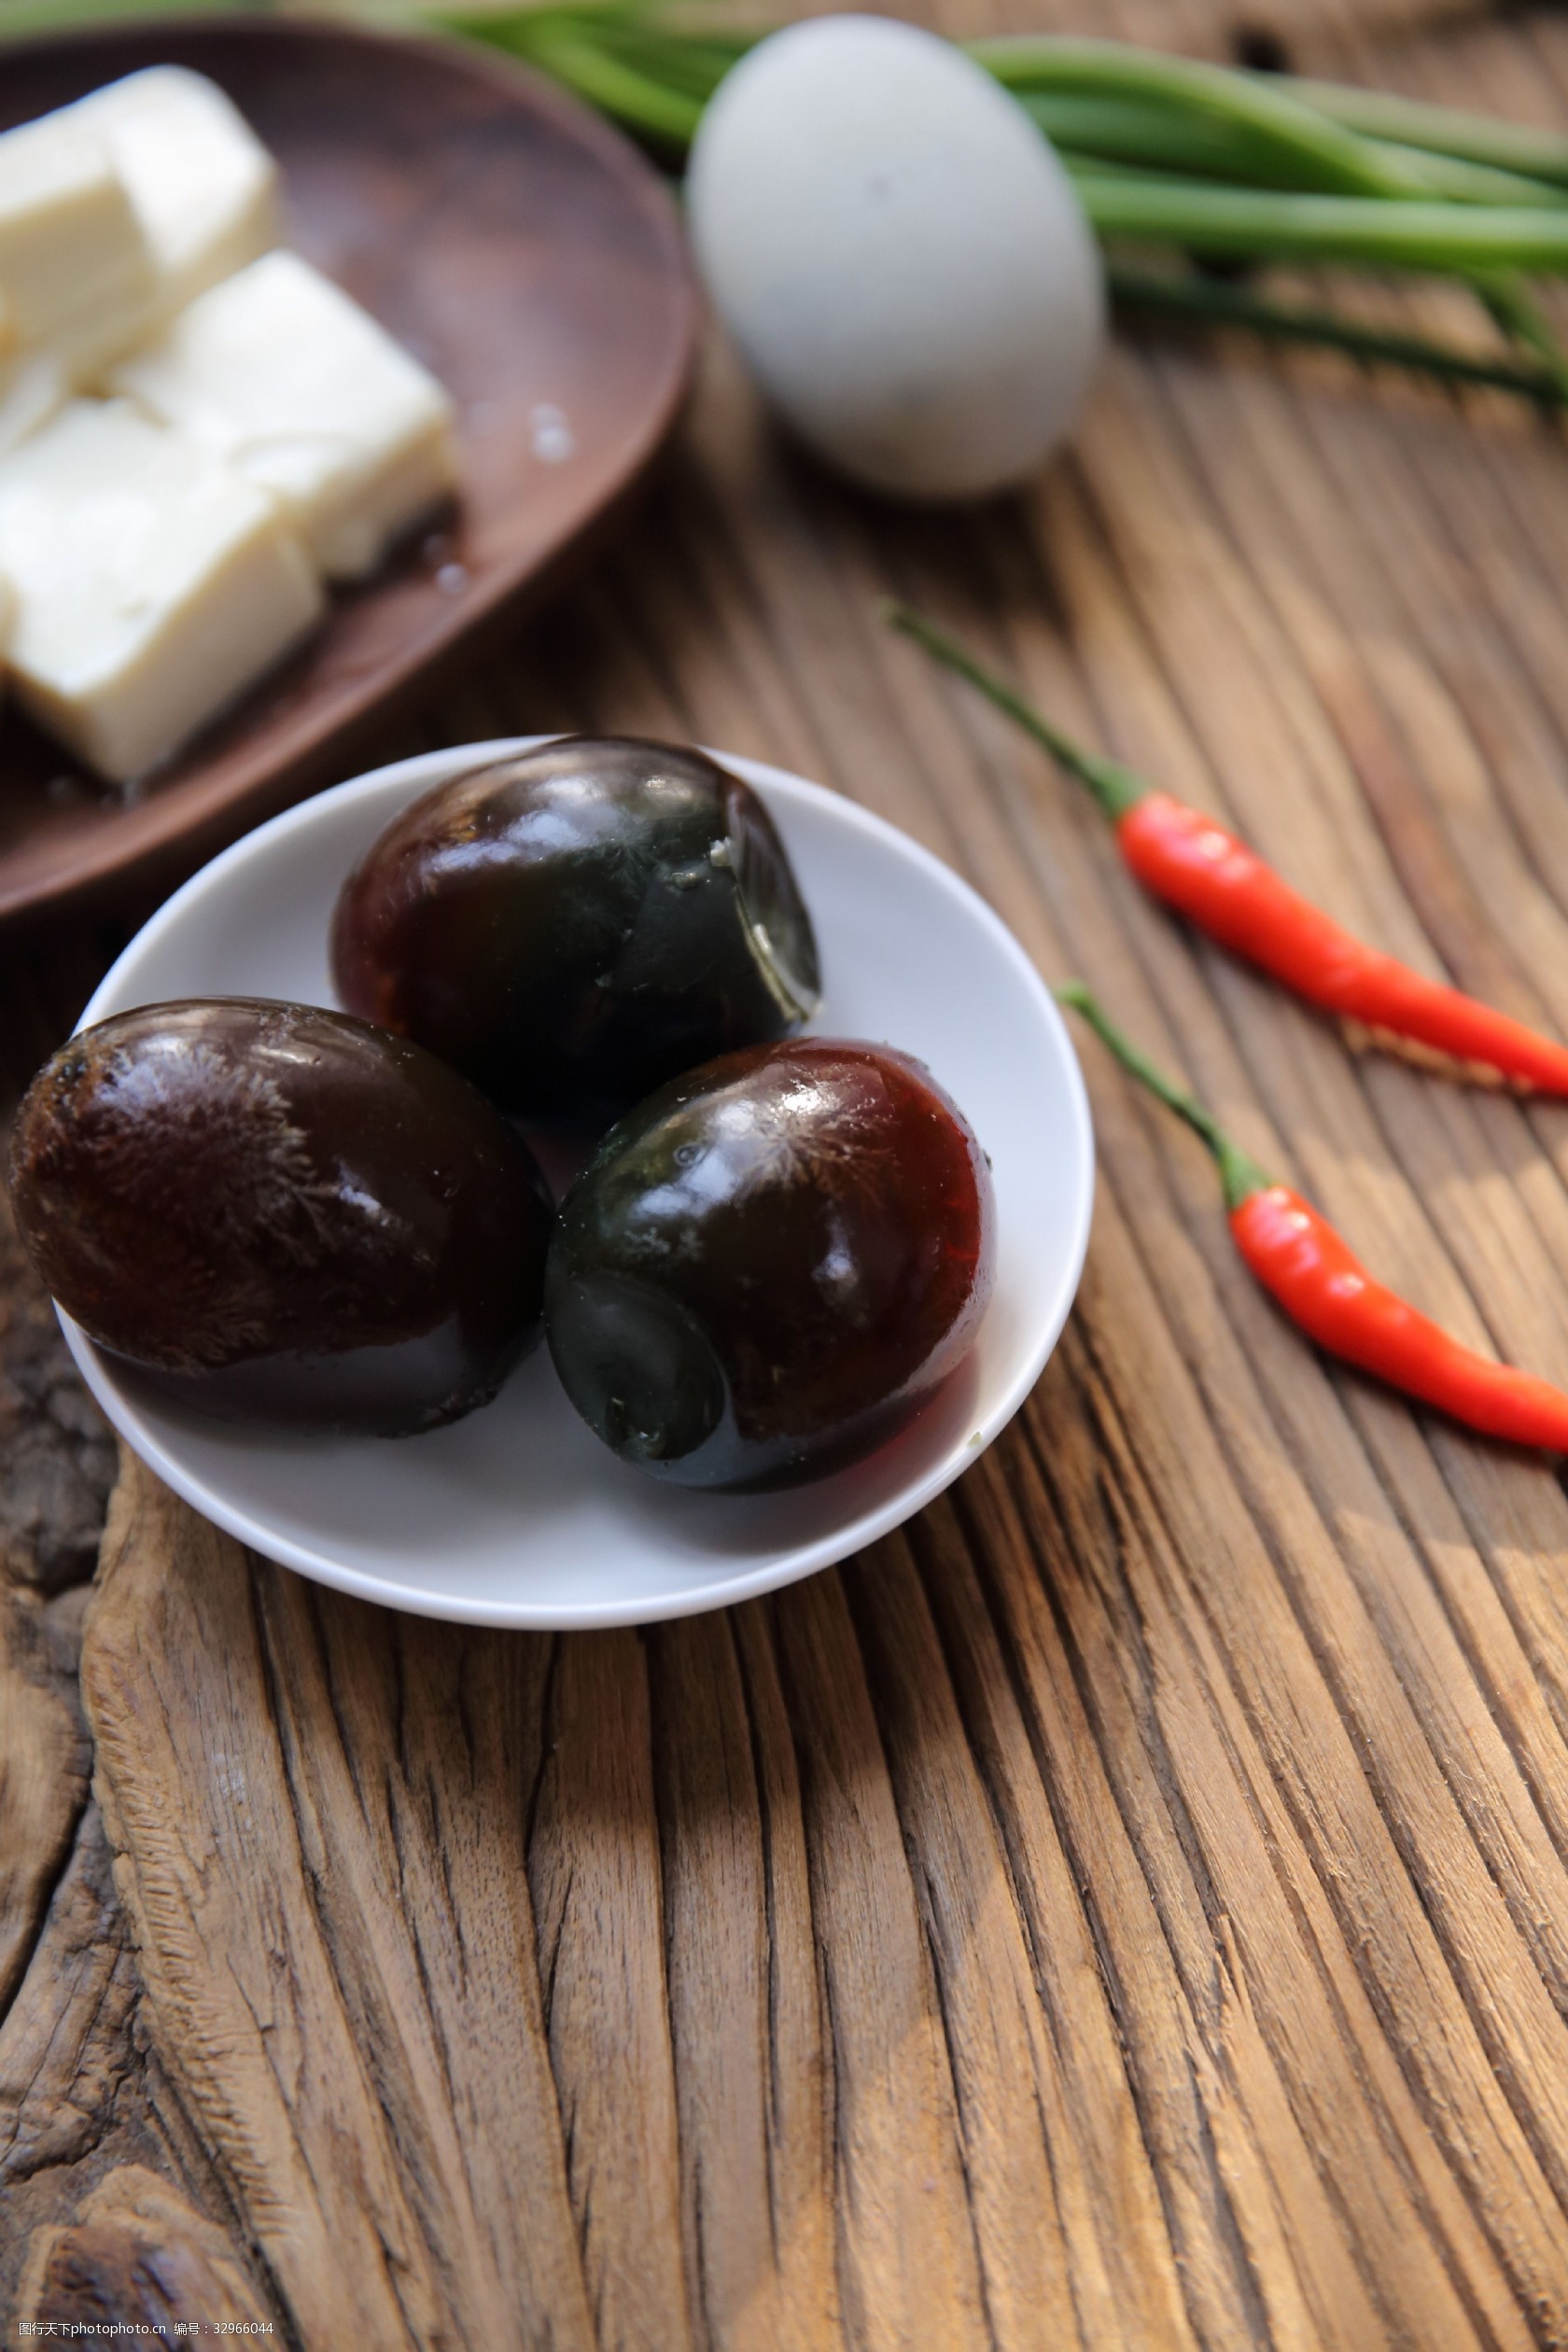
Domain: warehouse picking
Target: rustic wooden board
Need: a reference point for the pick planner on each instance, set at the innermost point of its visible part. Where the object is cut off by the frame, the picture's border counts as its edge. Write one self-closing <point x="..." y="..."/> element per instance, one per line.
<point x="1129" y="1908"/>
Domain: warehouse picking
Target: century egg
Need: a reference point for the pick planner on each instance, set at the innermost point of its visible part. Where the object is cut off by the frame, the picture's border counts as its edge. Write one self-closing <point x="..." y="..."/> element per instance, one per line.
<point x="769" y="1264"/>
<point x="572" y="925"/>
<point x="283" y="1214"/>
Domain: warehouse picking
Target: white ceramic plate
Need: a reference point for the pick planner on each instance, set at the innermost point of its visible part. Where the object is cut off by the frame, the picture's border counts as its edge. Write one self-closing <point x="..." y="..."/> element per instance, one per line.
<point x="518" y="1516"/>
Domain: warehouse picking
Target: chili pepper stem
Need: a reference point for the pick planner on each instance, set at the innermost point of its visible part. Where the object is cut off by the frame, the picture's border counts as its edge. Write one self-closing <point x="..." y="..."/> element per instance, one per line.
<point x="1186" y="859"/>
<point x="1240" y="1174"/>
<point x="1311" y="1271"/>
<point x="1115" y="788"/>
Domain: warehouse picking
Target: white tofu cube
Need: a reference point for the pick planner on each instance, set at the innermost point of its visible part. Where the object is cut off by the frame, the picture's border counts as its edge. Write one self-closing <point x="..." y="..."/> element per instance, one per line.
<point x="32" y="386"/>
<point x="280" y="373"/>
<point x="203" y="186"/>
<point x="152" y="585"/>
<point x="70" y="240"/>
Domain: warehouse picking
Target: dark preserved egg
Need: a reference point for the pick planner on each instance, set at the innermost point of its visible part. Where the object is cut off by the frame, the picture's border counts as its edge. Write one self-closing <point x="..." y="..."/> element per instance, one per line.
<point x="768" y="1266"/>
<point x="283" y="1214"/>
<point x="573" y="925"/>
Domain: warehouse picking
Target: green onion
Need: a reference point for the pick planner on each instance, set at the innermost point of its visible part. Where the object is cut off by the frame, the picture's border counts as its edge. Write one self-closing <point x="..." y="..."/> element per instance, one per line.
<point x="20" y="17"/>
<point x="1167" y="153"/>
<point x="1506" y="147"/>
<point x="1458" y="240"/>
<point x="1206" y="302"/>
<point x="1337" y="157"/>
<point x="1161" y="136"/>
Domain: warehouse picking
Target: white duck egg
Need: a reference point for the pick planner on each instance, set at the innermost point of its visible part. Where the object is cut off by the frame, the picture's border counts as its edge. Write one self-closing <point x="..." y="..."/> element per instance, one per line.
<point x="899" y="256"/>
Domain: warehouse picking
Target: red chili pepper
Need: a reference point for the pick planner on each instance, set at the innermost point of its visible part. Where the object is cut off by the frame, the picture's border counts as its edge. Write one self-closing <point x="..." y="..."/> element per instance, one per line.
<point x="1322" y="1286"/>
<point x="1195" y="865"/>
<point x="1225" y="889"/>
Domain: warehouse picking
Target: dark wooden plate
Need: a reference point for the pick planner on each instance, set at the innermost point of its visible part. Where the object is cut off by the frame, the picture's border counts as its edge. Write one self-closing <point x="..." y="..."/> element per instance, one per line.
<point x="519" y="248"/>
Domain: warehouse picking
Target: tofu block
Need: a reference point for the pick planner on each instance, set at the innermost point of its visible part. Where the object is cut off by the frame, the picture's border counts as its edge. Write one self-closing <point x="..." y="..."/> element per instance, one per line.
<point x="32" y="386"/>
<point x="279" y="372"/>
<point x="152" y="585"/>
<point x="82" y="345"/>
<point x="70" y="239"/>
<point x="204" y="188"/>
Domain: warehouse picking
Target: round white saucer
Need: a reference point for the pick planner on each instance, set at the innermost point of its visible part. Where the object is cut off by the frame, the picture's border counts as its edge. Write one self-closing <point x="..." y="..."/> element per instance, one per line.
<point x="518" y="1516"/>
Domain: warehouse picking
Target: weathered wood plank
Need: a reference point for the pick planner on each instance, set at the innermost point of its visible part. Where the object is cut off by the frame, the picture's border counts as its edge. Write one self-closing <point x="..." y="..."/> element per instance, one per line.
<point x="1130" y="1906"/>
<point x="44" y="1765"/>
<point x="353" y="2110"/>
<point x="137" y="2259"/>
<point x="746" y="2032"/>
<point x="594" y="1865"/>
<point x="58" y="1458"/>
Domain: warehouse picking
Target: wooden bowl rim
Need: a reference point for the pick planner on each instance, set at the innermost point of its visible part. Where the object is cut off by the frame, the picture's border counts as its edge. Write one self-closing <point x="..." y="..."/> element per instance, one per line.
<point x="144" y="832"/>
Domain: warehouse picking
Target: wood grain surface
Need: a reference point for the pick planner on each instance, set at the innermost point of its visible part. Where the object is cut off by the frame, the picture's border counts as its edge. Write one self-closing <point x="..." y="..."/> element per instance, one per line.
<point x="1127" y="1908"/>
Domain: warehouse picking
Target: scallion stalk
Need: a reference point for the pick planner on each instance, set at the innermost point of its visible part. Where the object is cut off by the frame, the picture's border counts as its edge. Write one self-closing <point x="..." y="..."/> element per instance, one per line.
<point x="1376" y="114"/>
<point x="1205" y="301"/>
<point x="1456" y="240"/>
<point x="1165" y="137"/>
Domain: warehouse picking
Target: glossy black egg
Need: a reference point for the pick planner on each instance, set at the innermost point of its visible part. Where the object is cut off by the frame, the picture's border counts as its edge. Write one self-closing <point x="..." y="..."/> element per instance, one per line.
<point x="572" y="925"/>
<point x="283" y="1214"/>
<point x="771" y="1263"/>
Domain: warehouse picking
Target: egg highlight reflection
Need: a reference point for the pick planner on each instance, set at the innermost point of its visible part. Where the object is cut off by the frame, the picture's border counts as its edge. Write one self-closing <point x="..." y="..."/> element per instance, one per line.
<point x="899" y="256"/>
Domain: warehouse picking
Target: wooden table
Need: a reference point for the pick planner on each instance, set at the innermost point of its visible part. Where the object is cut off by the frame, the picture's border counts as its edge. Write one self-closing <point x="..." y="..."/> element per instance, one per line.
<point x="1128" y="1907"/>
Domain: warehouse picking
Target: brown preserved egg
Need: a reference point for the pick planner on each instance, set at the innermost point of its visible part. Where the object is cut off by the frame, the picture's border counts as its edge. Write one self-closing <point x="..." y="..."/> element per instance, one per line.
<point x="574" y="925"/>
<point x="771" y="1263"/>
<point x="283" y="1214"/>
